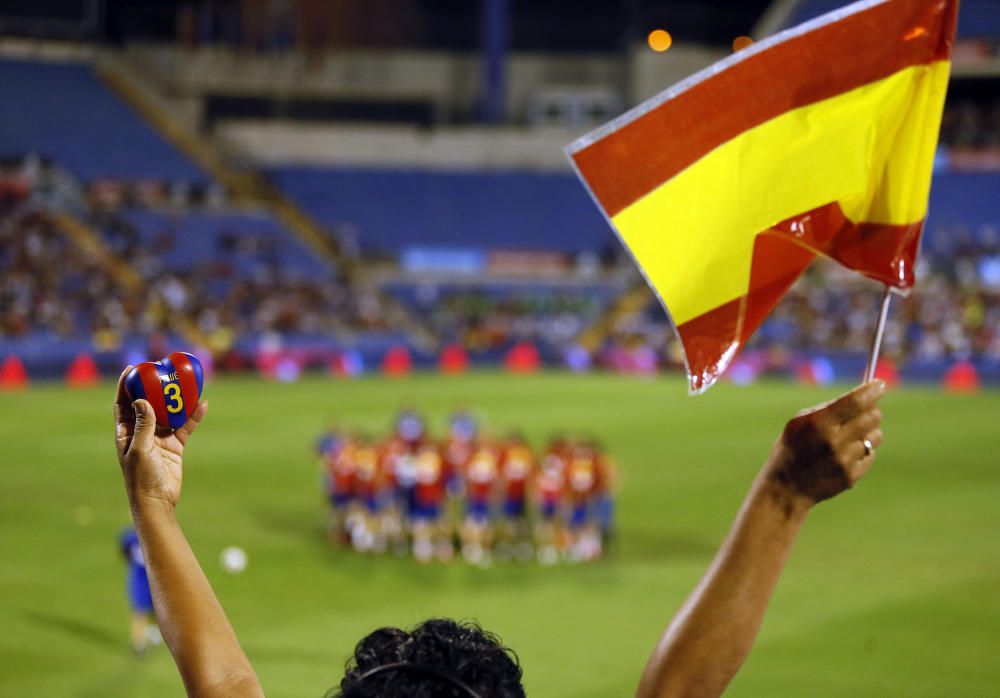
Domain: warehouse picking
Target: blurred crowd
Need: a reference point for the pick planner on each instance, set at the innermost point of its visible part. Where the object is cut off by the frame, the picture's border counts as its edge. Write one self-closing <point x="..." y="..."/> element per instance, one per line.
<point x="481" y="320"/>
<point x="952" y="313"/>
<point x="48" y="287"/>
<point x="941" y="319"/>
<point x="243" y="288"/>
<point x="485" y="499"/>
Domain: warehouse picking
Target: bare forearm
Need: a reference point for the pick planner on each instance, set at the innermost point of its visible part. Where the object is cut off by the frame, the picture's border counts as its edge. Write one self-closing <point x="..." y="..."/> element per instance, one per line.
<point x="711" y="635"/>
<point x="192" y="621"/>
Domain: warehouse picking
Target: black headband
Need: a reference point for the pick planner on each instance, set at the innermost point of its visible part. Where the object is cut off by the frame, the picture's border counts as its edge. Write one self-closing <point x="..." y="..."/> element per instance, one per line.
<point x="425" y="669"/>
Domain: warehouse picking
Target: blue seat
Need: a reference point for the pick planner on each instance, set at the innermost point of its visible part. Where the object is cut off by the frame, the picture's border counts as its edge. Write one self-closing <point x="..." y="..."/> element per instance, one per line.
<point x="200" y="237"/>
<point x="393" y="209"/>
<point x="62" y="111"/>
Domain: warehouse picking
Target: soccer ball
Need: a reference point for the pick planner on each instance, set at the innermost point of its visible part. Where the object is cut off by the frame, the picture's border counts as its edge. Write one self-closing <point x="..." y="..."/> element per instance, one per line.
<point x="233" y="559"/>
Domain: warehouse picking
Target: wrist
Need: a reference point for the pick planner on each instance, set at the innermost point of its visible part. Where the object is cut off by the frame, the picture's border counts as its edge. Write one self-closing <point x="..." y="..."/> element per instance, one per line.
<point x="792" y="504"/>
<point x="151" y="507"/>
<point x="776" y="487"/>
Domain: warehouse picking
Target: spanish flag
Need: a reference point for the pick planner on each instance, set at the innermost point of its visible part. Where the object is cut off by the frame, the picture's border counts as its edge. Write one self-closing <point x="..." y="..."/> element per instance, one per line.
<point x="819" y="140"/>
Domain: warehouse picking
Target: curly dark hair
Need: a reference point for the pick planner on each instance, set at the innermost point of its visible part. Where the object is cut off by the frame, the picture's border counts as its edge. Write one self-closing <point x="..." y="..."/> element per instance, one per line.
<point x="440" y="658"/>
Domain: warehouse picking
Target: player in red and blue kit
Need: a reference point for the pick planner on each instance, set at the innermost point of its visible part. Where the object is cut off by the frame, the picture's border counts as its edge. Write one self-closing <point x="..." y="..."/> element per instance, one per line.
<point x="372" y="496"/>
<point x="411" y="433"/>
<point x="339" y="464"/>
<point x="480" y="490"/>
<point x="429" y="496"/>
<point x="143" y="630"/>
<point x="550" y="491"/>
<point x="517" y="466"/>
<point x="456" y="452"/>
<point x="582" y="486"/>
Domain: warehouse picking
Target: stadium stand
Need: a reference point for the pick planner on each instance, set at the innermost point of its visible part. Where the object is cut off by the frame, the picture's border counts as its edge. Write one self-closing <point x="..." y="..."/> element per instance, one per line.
<point x="962" y="212"/>
<point x="61" y="111"/>
<point x="246" y="242"/>
<point x="248" y="283"/>
<point x="489" y="317"/>
<point x="56" y="301"/>
<point x="477" y="210"/>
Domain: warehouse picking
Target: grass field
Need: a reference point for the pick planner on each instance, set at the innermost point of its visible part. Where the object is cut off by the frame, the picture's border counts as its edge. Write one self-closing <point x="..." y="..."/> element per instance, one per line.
<point x="893" y="589"/>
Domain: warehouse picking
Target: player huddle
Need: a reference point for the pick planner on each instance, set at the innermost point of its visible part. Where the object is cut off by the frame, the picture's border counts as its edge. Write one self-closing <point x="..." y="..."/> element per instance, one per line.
<point x="488" y="498"/>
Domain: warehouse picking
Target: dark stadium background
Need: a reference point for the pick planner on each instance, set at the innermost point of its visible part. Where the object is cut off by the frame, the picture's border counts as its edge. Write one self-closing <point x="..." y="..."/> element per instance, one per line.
<point x="311" y="195"/>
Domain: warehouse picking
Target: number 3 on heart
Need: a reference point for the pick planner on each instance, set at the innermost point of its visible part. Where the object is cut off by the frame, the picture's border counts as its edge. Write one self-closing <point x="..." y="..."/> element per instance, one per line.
<point x="172" y="392"/>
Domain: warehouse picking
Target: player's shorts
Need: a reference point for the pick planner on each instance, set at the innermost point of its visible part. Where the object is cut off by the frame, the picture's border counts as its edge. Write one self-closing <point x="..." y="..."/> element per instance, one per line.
<point x="549" y="508"/>
<point x="426" y="512"/>
<point x="407" y="498"/>
<point x="478" y="510"/>
<point x="372" y="504"/>
<point x="339" y="501"/>
<point x="455" y="487"/>
<point x="513" y="508"/>
<point x="139" y="597"/>
<point x="578" y="517"/>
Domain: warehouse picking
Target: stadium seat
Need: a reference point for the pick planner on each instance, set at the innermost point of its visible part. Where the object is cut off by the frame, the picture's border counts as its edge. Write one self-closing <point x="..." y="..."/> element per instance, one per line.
<point x="476" y="210"/>
<point x="63" y="112"/>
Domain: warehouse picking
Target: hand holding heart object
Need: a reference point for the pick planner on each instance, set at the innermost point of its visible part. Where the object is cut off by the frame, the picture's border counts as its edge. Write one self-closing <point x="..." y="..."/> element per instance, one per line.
<point x="171" y="385"/>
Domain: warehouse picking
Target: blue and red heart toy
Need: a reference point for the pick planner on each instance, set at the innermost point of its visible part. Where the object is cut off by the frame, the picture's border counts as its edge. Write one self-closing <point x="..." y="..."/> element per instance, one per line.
<point x="171" y="385"/>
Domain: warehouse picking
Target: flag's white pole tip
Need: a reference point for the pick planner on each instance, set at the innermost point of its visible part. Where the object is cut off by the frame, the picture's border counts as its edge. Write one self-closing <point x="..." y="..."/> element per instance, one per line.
<point x="877" y="339"/>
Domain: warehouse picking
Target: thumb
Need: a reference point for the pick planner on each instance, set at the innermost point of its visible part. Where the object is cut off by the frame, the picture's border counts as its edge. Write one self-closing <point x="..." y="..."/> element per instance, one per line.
<point x="145" y="425"/>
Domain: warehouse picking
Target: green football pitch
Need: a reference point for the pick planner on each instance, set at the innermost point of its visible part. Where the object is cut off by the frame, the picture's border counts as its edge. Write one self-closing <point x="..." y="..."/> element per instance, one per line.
<point x="893" y="588"/>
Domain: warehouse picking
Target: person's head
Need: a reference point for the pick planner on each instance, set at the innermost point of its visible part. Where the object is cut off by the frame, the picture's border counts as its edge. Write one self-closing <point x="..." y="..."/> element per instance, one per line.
<point x="410" y="426"/>
<point x="439" y="658"/>
<point x="463" y="426"/>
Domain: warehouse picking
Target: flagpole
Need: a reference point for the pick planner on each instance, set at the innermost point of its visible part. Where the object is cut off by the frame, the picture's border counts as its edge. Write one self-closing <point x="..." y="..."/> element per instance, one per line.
<point x="877" y="339"/>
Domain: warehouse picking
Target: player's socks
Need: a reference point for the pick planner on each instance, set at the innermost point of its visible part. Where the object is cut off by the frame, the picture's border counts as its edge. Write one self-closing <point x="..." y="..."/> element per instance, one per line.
<point x="548" y="555"/>
<point x="423" y="550"/>
<point x="473" y="553"/>
<point x="445" y="551"/>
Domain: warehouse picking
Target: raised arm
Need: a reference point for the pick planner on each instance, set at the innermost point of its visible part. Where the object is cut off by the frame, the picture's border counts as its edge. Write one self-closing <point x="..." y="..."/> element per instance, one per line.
<point x="821" y="453"/>
<point x="193" y="624"/>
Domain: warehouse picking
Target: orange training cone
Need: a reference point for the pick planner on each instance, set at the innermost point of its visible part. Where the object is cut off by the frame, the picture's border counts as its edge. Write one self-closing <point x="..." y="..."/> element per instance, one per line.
<point x="962" y="377"/>
<point x="82" y="373"/>
<point x="523" y="358"/>
<point x="454" y="359"/>
<point x="886" y="370"/>
<point x="397" y="361"/>
<point x="12" y="374"/>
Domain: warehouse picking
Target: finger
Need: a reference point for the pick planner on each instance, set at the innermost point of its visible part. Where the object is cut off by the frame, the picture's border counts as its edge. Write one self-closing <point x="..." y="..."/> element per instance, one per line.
<point x="875" y="438"/>
<point x="124" y="415"/>
<point x="860" y="468"/>
<point x="848" y="406"/>
<point x="145" y="426"/>
<point x="860" y="425"/>
<point x="184" y="433"/>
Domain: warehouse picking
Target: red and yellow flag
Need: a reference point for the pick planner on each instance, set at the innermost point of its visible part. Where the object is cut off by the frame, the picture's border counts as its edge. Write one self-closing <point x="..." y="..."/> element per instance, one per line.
<point x="819" y="140"/>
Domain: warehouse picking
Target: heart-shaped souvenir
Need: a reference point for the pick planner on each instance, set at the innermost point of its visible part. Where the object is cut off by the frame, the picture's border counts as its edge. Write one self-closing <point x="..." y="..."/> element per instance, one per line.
<point x="171" y="385"/>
